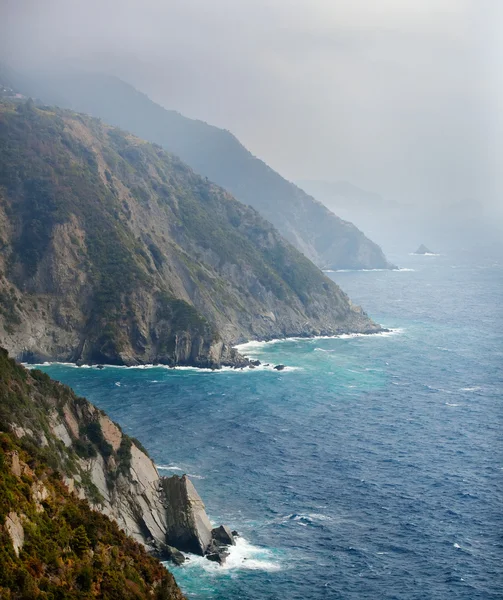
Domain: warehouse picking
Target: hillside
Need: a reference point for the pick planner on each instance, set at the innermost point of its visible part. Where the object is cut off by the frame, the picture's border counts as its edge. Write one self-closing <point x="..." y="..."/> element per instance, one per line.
<point x="327" y="240"/>
<point x="52" y="543"/>
<point x="114" y="251"/>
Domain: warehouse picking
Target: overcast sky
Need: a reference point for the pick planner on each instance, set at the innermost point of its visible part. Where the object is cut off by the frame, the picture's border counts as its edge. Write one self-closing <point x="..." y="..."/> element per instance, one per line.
<point x="398" y="96"/>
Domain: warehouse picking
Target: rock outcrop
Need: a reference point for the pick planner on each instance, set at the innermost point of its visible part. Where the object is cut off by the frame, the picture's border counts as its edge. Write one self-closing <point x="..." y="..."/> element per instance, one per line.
<point x="14" y="526"/>
<point x="223" y="536"/>
<point x="53" y="544"/>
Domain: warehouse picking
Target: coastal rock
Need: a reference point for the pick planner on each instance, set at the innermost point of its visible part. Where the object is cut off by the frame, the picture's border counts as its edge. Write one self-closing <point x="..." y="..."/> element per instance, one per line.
<point x="108" y="469"/>
<point x="188" y="526"/>
<point x="165" y="552"/>
<point x="218" y="557"/>
<point x="175" y="556"/>
<point x="279" y="367"/>
<point x="223" y="536"/>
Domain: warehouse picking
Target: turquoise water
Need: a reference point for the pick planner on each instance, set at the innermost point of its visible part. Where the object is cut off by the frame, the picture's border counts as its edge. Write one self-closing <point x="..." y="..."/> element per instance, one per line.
<point x="371" y="468"/>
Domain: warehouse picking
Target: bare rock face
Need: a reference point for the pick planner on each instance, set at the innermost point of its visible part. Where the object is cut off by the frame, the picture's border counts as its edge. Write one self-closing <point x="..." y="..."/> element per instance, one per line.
<point x="134" y="500"/>
<point x="188" y="526"/>
<point x="223" y="536"/>
<point x="14" y="527"/>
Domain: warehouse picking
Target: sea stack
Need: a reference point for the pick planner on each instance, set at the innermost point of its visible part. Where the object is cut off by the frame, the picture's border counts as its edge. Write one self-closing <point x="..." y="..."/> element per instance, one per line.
<point x="188" y="526"/>
<point x="423" y="250"/>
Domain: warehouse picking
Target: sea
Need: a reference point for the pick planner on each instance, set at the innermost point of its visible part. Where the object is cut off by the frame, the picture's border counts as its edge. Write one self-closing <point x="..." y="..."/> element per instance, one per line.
<point x="370" y="468"/>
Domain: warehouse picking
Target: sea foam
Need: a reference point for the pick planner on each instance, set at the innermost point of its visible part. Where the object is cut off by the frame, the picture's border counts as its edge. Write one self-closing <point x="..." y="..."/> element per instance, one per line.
<point x="400" y="269"/>
<point x="242" y="556"/>
<point x="269" y="367"/>
<point x="258" y="345"/>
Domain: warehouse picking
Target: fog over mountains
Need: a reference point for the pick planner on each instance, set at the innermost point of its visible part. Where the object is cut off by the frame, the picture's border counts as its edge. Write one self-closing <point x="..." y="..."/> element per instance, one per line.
<point x="399" y="97"/>
<point x="464" y="225"/>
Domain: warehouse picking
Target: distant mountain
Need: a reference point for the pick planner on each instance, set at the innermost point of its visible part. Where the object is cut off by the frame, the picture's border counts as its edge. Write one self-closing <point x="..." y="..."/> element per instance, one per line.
<point x="114" y="251"/>
<point x="327" y="240"/>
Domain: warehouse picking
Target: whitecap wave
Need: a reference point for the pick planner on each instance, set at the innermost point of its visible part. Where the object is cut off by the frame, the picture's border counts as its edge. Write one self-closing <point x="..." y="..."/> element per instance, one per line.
<point x="255" y="345"/>
<point x="405" y="269"/>
<point x="266" y="367"/>
<point x="242" y="556"/>
<point x="168" y="468"/>
<point x="359" y="270"/>
<point x="306" y="519"/>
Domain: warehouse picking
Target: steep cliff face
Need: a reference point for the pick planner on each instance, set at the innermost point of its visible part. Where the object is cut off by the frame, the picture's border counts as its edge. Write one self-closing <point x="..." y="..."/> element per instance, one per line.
<point x="327" y="240"/>
<point x="98" y="462"/>
<point x="114" y="251"/>
<point x="60" y="456"/>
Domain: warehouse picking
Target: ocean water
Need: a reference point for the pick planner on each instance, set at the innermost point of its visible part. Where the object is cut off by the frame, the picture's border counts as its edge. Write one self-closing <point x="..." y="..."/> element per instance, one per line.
<point x="372" y="468"/>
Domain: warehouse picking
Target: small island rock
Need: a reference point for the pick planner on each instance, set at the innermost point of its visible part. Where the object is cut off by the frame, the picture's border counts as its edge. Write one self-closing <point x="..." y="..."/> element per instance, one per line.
<point x="423" y="250"/>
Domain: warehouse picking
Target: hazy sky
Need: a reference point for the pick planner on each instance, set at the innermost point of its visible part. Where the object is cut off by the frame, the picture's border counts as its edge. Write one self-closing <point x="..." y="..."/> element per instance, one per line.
<point x="394" y="95"/>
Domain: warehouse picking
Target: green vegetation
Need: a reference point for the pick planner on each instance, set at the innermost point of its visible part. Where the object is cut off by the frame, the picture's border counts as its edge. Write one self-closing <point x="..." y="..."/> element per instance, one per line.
<point x="70" y="552"/>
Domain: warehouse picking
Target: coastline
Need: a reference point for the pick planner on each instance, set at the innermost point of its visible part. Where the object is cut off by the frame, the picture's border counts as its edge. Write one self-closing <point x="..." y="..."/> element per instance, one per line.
<point x="383" y="332"/>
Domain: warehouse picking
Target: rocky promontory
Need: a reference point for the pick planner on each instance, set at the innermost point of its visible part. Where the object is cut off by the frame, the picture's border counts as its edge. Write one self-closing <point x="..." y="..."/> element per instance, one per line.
<point x="113" y="472"/>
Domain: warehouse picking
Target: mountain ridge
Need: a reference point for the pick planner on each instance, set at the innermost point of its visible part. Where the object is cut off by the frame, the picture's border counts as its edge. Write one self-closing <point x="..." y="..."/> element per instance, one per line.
<point x="327" y="240"/>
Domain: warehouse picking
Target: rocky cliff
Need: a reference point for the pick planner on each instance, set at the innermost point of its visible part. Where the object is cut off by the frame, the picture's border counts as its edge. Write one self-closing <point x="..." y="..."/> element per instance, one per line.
<point x="330" y="242"/>
<point x="97" y="462"/>
<point x="60" y="457"/>
<point x="112" y="250"/>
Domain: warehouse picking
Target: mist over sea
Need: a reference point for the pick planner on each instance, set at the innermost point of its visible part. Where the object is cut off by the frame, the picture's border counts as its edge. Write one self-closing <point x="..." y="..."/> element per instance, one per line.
<point x="371" y="470"/>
